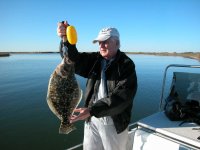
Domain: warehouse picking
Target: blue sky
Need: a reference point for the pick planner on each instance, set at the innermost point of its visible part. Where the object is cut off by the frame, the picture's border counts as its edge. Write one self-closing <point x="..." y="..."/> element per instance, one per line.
<point x="144" y="25"/>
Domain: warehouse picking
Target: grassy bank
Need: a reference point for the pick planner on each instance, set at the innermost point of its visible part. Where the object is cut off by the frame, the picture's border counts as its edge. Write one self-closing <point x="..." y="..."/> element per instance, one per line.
<point x="4" y="54"/>
<point x="191" y="55"/>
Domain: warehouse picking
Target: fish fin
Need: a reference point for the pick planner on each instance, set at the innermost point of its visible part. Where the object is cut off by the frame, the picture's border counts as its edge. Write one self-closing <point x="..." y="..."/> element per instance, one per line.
<point x="53" y="109"/>
<point x="80" y="98"/>
<point x="49" y="102"/>
<point x="66" y="129"/>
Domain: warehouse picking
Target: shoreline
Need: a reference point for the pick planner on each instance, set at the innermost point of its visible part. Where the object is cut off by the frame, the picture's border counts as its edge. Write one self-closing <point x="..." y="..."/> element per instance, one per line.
<point x="191" y="55"/>
<point x="4" y="54"/>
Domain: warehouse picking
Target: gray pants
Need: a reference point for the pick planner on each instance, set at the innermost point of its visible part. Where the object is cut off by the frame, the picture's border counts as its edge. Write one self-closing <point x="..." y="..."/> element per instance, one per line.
<point x="100" y="134"/>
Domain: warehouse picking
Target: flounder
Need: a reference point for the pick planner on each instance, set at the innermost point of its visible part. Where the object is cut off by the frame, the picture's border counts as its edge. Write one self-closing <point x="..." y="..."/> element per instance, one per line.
<point x="64" y="94"/>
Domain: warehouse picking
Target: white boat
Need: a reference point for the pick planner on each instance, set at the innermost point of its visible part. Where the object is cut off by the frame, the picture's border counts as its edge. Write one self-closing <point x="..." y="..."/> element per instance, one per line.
<point x="157" y="131"/>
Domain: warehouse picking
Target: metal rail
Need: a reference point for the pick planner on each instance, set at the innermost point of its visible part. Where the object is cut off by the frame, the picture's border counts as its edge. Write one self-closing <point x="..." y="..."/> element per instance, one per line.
<point x="74" y="147"/>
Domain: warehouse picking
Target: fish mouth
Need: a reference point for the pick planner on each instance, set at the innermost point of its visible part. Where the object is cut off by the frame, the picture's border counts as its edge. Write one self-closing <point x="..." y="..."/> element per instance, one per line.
<point x="61" y="71"/>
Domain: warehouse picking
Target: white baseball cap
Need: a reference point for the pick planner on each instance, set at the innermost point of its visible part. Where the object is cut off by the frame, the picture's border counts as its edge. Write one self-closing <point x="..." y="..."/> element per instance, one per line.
<point x="106" y="33"/>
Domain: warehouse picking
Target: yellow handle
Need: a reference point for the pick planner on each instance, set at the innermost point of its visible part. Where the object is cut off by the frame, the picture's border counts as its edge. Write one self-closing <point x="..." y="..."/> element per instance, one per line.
<point x="71" y="35"/>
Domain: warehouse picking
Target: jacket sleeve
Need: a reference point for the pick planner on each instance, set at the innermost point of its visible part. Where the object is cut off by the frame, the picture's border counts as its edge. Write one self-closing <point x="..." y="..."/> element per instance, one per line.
<point x="83" y="61"/>
<point x="121" y="97"/>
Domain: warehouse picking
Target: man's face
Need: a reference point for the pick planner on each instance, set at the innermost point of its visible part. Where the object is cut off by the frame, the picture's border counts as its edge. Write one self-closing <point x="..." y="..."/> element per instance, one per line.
<point x="108" y="48"/>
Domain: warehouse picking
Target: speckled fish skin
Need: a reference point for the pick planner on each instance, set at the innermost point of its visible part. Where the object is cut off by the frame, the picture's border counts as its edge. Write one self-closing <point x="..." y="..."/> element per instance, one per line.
<point x="64" y="94"/>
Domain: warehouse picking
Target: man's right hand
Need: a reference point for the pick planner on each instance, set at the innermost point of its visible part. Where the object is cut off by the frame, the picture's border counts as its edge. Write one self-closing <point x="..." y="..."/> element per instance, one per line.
<point x="61" y="30"/>
<point x="83" y="114"/>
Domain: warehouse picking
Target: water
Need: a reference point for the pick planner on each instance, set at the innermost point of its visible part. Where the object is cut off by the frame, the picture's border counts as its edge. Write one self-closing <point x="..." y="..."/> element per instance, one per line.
<point x="26" y="122"/>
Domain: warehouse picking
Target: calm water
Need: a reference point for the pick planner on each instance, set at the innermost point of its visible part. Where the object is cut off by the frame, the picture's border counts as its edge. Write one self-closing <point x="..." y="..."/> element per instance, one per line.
<point x="26" y="123"/>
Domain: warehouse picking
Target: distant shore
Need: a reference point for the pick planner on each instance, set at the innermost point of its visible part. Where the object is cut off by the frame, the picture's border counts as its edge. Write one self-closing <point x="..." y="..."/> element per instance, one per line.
<point x="4" y="54"/>
<point x="192" y="55"/>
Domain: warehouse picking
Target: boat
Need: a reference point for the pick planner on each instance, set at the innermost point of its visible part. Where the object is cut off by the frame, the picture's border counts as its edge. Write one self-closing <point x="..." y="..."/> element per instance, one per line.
<point x="157" y="131"/>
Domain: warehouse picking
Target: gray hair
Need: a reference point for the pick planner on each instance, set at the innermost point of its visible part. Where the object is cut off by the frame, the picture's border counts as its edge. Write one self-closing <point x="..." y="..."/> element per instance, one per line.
<point x="116" y="39"/>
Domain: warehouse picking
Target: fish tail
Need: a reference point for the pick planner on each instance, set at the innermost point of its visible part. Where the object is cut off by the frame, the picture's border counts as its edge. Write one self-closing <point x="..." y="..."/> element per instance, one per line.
<point x="66" y="129"/>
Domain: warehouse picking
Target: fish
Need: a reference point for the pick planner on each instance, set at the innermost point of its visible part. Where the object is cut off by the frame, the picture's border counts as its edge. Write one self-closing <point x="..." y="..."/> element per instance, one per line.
<point x="64" y="94"/>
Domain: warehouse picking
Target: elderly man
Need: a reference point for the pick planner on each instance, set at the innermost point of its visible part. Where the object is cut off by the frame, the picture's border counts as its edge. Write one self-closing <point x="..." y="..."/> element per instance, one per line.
<point x="110" y="90"/>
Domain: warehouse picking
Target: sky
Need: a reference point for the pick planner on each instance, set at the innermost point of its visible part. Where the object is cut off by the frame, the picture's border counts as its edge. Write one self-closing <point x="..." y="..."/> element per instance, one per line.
<point x="144" y="25"/>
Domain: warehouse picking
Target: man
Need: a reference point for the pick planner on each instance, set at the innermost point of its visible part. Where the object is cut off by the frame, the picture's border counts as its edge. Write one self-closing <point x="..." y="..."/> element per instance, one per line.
<point x="110" y="90"/>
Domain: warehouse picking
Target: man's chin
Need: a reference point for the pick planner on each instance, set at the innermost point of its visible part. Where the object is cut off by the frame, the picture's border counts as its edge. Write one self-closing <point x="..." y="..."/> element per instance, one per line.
<point x="103" y="53"/>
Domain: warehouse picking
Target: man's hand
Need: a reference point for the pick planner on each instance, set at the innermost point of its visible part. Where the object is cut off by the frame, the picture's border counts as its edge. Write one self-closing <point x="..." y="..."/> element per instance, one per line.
<point x="83" y="113"/>
<point x="61" y="30"/>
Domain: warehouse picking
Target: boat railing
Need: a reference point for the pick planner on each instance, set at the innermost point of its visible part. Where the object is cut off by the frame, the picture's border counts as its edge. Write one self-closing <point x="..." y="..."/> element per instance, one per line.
<point x="75" y="147"/>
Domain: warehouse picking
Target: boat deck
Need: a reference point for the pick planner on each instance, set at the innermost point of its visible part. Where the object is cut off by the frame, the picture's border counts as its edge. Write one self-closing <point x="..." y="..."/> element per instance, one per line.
<point x="187" y="133"/>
